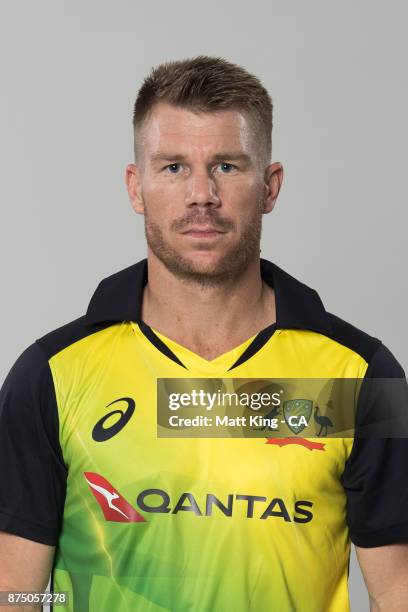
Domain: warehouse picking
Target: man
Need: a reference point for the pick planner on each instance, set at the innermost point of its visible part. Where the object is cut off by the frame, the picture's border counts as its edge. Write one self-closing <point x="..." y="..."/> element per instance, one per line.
<point x="126" y="519"/>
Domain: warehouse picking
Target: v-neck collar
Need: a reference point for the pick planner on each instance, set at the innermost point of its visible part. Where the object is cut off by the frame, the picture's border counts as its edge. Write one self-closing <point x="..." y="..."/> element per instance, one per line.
<point x="190" y="360"/>
<point x="119" y="297"/>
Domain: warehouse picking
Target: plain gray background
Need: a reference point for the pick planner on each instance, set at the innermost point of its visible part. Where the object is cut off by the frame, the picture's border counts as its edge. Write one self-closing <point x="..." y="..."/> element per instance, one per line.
<point x="336" y="72"/>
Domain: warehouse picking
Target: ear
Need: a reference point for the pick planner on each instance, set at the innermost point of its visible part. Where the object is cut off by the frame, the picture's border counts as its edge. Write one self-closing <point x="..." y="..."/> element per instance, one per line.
<point x="134" y="187"/>
<point x="273" y="178"/>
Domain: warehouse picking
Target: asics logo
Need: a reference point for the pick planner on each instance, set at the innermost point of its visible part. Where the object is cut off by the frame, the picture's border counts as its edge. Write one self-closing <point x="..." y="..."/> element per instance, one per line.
<point x="101" y="433"/>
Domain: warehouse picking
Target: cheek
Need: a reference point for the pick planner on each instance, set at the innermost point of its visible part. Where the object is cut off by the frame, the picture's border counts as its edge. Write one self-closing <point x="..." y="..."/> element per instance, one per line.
<point x="242" y="195"/>
<point x="158" y="194"/>
<point x="162" y="205"/>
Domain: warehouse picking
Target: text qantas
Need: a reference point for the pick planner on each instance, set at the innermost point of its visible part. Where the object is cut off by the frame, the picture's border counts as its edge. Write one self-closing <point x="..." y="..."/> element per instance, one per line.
<point x="116" y="508"/>
<point x="252" y="506"/>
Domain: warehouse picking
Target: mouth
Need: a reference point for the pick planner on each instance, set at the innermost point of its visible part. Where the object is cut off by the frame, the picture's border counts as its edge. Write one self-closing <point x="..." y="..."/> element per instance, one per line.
<point x="203" y="232"/>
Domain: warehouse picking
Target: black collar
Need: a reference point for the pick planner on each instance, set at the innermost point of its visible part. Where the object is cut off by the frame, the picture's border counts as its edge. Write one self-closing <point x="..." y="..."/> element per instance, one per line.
<point x="119" y="298"/>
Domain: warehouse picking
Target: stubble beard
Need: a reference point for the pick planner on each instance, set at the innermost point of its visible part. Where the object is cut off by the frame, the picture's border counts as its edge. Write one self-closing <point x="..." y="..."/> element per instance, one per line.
<point x="226" y="270"/>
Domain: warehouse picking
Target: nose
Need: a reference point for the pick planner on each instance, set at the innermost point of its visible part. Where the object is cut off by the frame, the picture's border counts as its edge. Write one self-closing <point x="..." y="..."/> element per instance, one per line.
<point x="202" y="190"/>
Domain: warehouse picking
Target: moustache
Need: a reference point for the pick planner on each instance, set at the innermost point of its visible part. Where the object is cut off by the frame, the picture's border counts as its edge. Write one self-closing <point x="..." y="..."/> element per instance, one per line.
<point x="214" y="220"/>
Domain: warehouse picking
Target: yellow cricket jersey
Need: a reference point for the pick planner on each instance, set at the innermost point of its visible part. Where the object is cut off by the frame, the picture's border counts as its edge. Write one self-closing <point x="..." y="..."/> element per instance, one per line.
<point x="152" y="524"/>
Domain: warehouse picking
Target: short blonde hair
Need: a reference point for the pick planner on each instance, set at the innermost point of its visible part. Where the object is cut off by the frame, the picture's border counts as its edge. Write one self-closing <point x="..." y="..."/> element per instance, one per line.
<point x="206" y="84"/>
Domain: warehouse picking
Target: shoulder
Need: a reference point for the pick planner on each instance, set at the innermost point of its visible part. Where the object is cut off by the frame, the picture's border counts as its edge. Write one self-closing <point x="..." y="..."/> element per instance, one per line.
<point x="30" y="370"/>
<point x="381" y="361"/>
<point x="60" y="338"/>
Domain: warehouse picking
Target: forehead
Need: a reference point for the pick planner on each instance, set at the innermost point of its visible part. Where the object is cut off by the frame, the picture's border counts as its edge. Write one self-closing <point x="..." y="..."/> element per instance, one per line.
<point x="171" y="126"/>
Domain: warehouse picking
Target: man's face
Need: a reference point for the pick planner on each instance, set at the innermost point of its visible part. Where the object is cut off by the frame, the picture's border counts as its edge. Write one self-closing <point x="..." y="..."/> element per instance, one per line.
<point x="200" y="185"/>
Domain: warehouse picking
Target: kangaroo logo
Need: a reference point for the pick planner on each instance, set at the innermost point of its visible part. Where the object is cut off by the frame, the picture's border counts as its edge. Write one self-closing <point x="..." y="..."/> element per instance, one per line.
<point x="114" y="506"/>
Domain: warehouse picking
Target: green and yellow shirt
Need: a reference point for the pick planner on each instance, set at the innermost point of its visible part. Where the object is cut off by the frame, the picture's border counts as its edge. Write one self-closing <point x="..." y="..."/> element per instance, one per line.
<point x="153" y="524"/>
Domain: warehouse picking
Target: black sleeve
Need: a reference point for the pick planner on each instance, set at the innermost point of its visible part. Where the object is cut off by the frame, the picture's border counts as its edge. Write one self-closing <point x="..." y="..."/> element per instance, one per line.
<point x="32" y="470"/>
<point x="375" y="477"/>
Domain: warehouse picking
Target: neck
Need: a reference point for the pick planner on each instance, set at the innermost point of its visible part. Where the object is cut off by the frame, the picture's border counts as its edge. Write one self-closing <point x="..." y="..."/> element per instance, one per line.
<point x="219" y="316"/>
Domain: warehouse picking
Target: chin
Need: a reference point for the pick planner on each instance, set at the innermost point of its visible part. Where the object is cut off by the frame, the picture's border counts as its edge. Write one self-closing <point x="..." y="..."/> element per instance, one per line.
<point x="203" y="262"/>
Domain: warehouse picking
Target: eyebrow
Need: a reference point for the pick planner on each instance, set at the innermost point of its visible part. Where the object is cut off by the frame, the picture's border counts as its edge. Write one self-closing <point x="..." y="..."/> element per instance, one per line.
<point x="234" y="155"/>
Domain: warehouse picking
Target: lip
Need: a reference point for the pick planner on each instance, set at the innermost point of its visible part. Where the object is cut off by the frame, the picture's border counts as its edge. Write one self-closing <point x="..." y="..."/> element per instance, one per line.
<point x="203" y="232"/>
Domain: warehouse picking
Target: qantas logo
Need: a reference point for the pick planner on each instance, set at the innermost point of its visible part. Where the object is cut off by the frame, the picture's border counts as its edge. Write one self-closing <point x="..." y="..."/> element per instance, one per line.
<point x="116" y="508"/>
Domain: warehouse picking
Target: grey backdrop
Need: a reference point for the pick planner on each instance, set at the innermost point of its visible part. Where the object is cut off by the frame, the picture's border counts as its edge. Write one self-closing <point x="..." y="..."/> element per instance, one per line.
<point x="337" y="76"/>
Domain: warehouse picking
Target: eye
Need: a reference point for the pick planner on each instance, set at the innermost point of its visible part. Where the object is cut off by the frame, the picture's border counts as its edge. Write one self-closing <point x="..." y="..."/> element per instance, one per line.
<point x="226" y="167"/>
<point x="173" y="168"/>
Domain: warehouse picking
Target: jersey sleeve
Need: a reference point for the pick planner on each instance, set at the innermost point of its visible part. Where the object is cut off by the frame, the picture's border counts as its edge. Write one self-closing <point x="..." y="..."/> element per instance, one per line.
<point x="375" y="476"/>
<point x="32" y="470"/>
